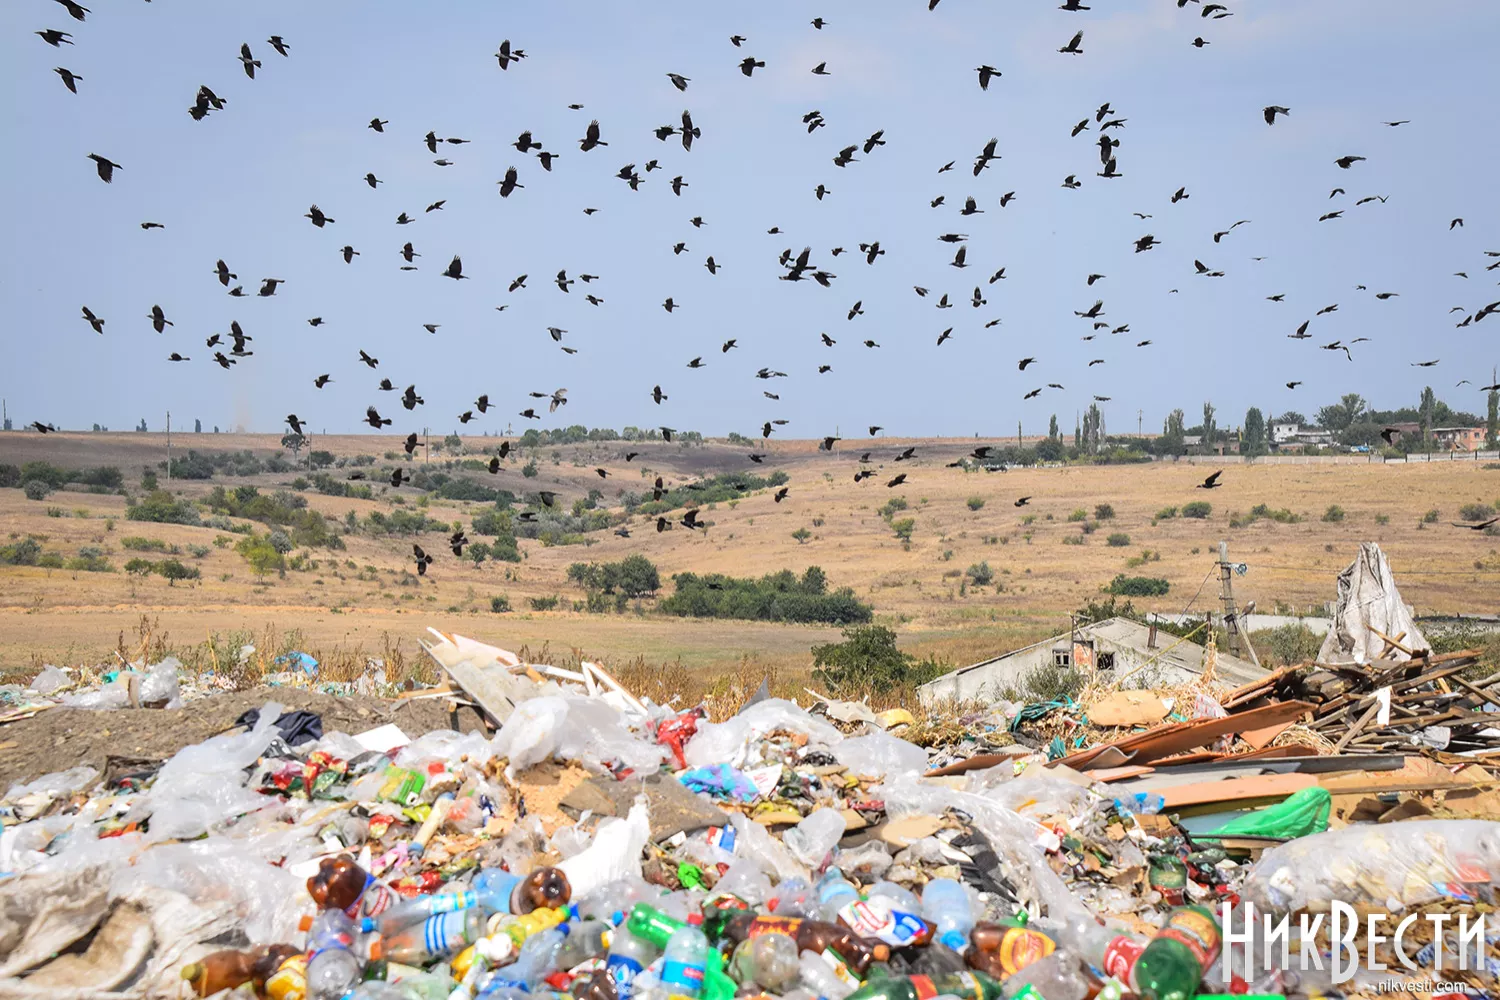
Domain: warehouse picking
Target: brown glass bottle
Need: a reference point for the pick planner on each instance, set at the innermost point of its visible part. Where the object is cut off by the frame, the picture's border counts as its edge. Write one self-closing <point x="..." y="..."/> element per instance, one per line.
<point x="338" y="884"/>
<point x="233" y="967"/>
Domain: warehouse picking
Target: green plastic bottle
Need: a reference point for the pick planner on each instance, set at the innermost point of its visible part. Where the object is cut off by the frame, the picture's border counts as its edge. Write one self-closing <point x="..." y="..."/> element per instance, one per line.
<point x="963" y="985"/>
<point x="1173" y="964"/>
<point x="650" y="924"/>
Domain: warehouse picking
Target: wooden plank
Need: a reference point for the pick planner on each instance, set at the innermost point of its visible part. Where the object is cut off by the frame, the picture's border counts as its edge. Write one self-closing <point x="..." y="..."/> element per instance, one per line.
<point x="1164" y="742"/>
<point x="1261" y="738"/>
<point x="1364" y="720"/>
<point x="1416" y="774"/>
<point x="1263" y="786"/>
<point x="484" y="689"/>
<point x="1108" y="774"/>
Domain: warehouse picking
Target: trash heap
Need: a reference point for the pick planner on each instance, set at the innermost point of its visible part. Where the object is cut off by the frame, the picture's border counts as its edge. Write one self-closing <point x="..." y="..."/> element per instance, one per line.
<point x="605" y="847"/>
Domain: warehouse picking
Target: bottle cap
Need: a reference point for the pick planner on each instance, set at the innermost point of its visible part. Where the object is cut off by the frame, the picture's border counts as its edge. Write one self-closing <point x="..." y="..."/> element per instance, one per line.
<point x="192" y="971"/>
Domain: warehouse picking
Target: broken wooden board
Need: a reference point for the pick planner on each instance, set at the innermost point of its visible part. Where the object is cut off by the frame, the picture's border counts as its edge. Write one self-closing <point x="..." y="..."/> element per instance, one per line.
<point x="1418" y="774"/>
<point x="1127" y="708"/>
<point x="1164" y="741"/>
<point x="492" y="689"/>
<point x="1108" y="774"/>
<point x="1241" y="791"/>
<point x="1261" y="738"/>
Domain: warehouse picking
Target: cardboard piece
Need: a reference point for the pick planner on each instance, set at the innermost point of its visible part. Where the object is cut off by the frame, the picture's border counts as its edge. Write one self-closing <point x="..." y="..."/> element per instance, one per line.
<point x="1127" y="708"/>
<point x="673" y="808"/>
<point x="1261" y="738"/>
<point x="1164" y="741"/>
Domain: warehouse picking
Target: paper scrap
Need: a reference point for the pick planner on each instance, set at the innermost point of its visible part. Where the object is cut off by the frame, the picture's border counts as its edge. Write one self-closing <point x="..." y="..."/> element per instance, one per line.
<point x="382" y="738"/>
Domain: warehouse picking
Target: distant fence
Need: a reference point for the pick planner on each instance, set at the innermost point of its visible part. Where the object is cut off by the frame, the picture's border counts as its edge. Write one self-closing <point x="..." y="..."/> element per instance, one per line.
<point x="1414" y="459"/>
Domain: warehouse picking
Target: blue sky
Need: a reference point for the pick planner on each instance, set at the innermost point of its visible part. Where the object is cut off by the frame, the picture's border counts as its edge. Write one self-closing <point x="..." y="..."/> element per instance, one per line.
<point x="236" y="186"/>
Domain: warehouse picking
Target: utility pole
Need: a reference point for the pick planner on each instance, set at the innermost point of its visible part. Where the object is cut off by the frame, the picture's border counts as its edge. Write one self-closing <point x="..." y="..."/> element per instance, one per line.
<point x="1138" y="415"/>
<point x="169" y="449"/>
<point x="1018" y="435"/>
<point x="426" y="446"/>
<point x="1237" y="646"/>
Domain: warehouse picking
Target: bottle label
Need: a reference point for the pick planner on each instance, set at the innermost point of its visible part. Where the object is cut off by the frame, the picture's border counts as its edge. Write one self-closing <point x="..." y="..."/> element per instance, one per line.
<point x="443" y="932"/>
<point x="1028" y="992"/>
<point x="774" y="925"/>
<point x="290" y="981"/>
<point x="1020" y="947"/>
<point x="924" y="987"/>
<point x="1195" y="930"/>
<point x="1120" y="955"/>
<point x="623" y="969"/>
<point x="682" y="977"/>
<point x="723" y="837"/>
<point x="876" y="919"/>
<point x="449" y="902"/>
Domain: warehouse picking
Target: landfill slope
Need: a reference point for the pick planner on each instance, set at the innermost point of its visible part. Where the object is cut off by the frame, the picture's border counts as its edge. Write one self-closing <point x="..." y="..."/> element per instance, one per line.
<point x="60" y="738"/>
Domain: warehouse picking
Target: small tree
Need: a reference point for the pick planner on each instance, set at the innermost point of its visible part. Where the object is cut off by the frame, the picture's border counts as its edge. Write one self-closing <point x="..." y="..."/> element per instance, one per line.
<point x="868" y="660"/>
<point x="320" y="459"/>
<point x="197" y="427"/>
<point x="637" y="576"/>
<point x="980" y="574"/>
<point x="1210" y="427"/>
<point x="1253" y="439"/>
<point x="174" y="570"/>
<point x="148" y="480"/>
<point x="499" y="604"/>
<point x="529" y="470"/>
<point x="453" y="443"/>
<point x="1103" y="512"/>
<point x="802" y="535"/>
<point x="293" y="443"/>
<point x="975" y="503"/>
<point x="1199" y="509"/>
<point x="36" y="489"/>
<point x="140" y="567"/>
<point x="1492" y="421"/>
<point x="279" y="541"/>
<point x="903" y="529"/>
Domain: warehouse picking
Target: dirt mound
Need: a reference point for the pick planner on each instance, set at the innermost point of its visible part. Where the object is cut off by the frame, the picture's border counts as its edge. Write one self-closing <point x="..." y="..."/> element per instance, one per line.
<point x="60" y="738"/>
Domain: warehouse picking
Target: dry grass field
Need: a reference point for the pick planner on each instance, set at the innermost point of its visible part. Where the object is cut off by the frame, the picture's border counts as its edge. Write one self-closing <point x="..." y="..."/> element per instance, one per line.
<point x="366" y="598"/>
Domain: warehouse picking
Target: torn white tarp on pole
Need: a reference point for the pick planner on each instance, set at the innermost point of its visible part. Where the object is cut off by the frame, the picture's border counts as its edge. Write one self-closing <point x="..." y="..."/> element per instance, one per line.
<point x="1369" y="603"/>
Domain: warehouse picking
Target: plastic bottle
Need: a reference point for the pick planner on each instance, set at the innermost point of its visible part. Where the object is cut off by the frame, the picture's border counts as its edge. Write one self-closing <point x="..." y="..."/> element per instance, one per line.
<point x="879" y="919"/>
<point x="629" y="953"/>
<point x="830" y="980"/>
<point x="1003" y="948"/>
<point x="794" y="897"/>
<point x="811" y="935"/>
<point x="901" y="898"/>
<point x="586" y="939"/>
<point x="832" y="893"/>
<point x="232" y="967"/>
<point x="964" y="986"/>
<point x="289" y="981"/>
<point x="339" y="884"/>
<point x="1056" y="977"/>
<point x="328" y="929"/>
<point x="519" y="928"/>
<point x="685" y="960"/>
<point x="946" y="904"/>
<point x="417" y="909"/>
<point x="332" y="972"/>
<point x="501" y="891"/>
<point x="1172" y="965"/>
<point x="1111" y="952"/>
<point x="770" y="961"/>
<point x="438" y="935"/>
<point x="537" y="959"/>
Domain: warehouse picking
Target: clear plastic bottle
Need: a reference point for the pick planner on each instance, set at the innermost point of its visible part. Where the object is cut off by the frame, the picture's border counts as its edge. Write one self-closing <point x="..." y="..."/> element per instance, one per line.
<point x="438" y="935"/>
<point x="685" y="960"/>
<point x="331" y="973"/>
<point x="417" y="909"/>
<point x="1111" y="952"/>
<point x="794" y="897"/>
<point x="628" y="956"/>
<point x="1056" y="977"/>
<point x="901" y="897"/>
<point x="329" y="929"/>
<point x="769" y="961"/>
<point x="824" y="978"/>
<point x="832" y="893"/>
<point x="946" y="904"/>
<point x="586" y="939"/>
<point x="537" y="960"/>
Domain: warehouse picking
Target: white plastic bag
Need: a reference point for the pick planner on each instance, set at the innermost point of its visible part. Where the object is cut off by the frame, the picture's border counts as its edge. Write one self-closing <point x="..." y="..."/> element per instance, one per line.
<point x="880" y="754"/>
<point x="720" y="742"/>
<point x="530" y="734"/>
<point x="614" y="855"/>
<point x="160" y="683"/>
<point x="817" y="834"/>
<point x="204" y="785"/>
<point x="50" y="679"/>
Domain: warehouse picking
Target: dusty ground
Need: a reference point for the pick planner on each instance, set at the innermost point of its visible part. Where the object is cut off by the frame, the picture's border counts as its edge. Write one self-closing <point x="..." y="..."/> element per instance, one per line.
<point x="366" y="598"/>
<point x="60" y="738"/>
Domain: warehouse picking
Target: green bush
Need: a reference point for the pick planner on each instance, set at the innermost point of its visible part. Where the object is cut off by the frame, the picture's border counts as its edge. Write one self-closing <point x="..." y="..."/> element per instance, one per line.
<point x="1468" y="512"/>
<point x="542" y="603"/>
<point x="36" y="489"/>
<point x="499" y="604"/>
<point x="90" y="559"/>
<point x="1198" y="509"/>
<point x="140" y="567"/>
<point x="634" y="576"/>
<point x="23" y="553"/>
<point x="1138" y="586"/>
<point x="802" y="535"/>
<point x="138" y="544"/>
<point x="163" y="508"/>
<point x="867" y="661"/>
<point x="777" y="597"/>
<point x="262" y="556"/>
<point x="1287" y="645"/>
<point x="1166" y="513"/>
<point x="1118" y="540"/>
<point x="975" y="503"/>
<point x="1282" y="516"/>
<point x="903" y="528"/>
<point x="1333" y="514"/>
<point x="980" y="574"/>
<point x="529" y="470"/>
<point x="1078" y="514"/>
<point x="174" y="570"/>
<point x="198" y="551"/>
<point x="50" y="560"/>
<point x="1430" y="517"/>
<point x="1073" y="540"/>
<point x="1103" y="512"/>
<point x="891" y="506"/>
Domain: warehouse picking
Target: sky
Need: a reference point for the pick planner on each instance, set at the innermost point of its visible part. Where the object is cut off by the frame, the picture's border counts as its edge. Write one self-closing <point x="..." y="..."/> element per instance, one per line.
<point x="237" y="184"/>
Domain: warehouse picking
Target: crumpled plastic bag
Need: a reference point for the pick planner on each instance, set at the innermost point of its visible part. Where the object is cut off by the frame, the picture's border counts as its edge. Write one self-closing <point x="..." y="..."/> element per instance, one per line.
<point x="754" y="843"/>
<point x="879" y="754"/>
<point x="811" y="840"/>
<point x="614" y="855"/>
<point x="49" y="680"/>
<point x="572" y="728"/>
<point x="720" y="742"/>
<point x="160" y="683"/>
<point x="447" y="746"/>
<point x="56" y="785"/>
<point x="1395" y="866"/>
<point x="203" y="785"/>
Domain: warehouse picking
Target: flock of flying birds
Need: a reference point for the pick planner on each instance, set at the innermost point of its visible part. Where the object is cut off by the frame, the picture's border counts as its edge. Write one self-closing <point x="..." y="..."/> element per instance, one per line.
<point x="796" y="266"/>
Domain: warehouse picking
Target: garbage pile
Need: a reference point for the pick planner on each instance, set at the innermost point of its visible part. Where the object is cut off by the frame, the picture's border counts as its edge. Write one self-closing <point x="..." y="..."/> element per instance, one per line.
<point x="605" y="847"/>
